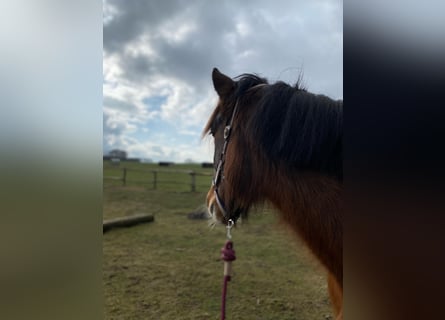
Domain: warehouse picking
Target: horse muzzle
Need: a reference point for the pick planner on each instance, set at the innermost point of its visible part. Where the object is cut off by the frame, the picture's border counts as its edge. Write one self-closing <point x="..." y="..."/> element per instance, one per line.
<point x="213" y="207"/>
<point x="219" y="211"/>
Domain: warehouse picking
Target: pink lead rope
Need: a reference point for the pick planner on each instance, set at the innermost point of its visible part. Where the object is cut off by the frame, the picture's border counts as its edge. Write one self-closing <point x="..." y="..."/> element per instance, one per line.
<point x="227" y="255"/>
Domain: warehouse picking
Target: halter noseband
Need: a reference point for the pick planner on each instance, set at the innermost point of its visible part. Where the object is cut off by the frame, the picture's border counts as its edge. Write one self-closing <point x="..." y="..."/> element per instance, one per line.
<point x="220" y="167"/>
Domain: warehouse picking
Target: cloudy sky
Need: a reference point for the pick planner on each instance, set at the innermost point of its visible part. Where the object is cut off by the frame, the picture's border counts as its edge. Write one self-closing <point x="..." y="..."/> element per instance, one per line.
<point x="158" y="57"/>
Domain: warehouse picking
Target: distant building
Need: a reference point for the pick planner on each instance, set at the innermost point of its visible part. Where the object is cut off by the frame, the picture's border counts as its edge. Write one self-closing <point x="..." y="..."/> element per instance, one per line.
<point x="165" y="163"/>
<point x="118" y="154"/>
<point x="207" y="164"/>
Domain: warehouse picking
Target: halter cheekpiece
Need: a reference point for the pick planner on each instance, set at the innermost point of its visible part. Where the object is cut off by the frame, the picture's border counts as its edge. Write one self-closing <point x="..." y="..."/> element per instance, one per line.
<point x="219" y="176"/>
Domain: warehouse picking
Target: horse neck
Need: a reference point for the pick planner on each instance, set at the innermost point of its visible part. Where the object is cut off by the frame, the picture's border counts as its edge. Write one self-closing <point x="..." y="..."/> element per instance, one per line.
<point x="310" y="204"/>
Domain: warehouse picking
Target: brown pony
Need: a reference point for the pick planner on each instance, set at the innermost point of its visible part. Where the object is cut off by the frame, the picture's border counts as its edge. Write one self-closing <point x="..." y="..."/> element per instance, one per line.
<point x="282" y="144"/>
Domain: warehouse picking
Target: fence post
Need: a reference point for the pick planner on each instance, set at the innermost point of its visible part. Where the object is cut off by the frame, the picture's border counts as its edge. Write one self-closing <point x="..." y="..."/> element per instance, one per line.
<point x="124" y="177"/>
<point x="193" y="184"/>
<point x="155" y="177"/>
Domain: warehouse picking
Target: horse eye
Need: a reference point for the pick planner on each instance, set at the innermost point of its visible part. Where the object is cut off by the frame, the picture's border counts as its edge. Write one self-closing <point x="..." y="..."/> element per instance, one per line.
<point x="214" y="126"/>
<point x="213" y="129"/>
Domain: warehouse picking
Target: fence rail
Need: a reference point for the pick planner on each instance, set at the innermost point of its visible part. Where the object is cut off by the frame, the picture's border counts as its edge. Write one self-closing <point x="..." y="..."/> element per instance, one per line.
<point x="155" y="181"/>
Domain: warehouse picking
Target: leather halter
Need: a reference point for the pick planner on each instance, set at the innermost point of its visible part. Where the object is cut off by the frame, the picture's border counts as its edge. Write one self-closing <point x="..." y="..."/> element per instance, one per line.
<point x="219" y="176"/>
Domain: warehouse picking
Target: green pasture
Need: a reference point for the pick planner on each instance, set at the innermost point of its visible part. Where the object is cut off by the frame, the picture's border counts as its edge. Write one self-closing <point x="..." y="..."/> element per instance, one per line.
<point x="170" y="268"/>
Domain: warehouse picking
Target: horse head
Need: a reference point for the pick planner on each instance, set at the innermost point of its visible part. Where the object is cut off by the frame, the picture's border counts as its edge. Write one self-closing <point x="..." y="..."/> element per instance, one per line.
<point x="232" y="159"/>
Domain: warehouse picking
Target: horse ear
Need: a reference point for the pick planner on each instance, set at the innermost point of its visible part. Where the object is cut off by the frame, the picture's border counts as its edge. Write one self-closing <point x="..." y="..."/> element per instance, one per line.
<point x="222" y="83"/>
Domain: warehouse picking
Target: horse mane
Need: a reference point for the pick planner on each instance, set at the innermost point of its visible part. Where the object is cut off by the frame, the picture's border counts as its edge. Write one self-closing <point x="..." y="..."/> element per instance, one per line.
<point x="299" y="129"/>
<point x="246" y="81"/>
<point x="292" y="126"/>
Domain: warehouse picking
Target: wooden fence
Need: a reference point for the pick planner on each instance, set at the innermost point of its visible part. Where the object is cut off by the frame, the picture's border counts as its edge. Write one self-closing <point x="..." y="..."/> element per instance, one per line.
<point x="155" y="181"/>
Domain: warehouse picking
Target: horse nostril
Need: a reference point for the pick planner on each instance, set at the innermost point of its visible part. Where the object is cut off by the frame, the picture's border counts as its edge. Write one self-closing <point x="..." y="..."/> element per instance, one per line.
<point x="211" y="208"/>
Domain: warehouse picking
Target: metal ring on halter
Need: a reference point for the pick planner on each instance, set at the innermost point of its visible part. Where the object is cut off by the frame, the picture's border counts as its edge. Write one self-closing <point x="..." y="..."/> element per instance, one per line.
<point x="227" y="130"/>
<point x="229" y="227"/>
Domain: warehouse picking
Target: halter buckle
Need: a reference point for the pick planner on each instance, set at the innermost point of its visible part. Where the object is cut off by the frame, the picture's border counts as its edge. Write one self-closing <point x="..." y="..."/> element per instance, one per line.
<point x="227" y="131"/>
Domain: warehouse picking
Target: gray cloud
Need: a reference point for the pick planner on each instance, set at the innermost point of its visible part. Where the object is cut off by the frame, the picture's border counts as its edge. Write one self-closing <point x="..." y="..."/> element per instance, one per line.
<point x="191" y="59"/>
<point x="238" y="37"/>
<point x="134" y="18"/>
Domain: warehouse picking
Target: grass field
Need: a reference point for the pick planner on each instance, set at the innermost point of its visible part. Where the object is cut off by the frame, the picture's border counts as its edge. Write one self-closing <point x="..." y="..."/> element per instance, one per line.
<point x="170" y="269"/>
